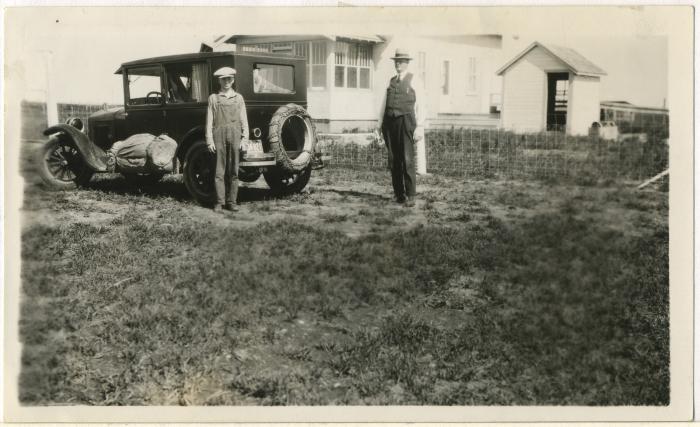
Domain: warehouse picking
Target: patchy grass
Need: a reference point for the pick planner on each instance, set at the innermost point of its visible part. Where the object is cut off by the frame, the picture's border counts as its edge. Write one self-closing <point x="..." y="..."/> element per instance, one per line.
<point x="485" y="293"/>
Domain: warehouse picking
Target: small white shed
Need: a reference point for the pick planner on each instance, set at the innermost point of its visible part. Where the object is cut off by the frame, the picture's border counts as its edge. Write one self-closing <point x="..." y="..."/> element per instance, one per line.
<point x="548" y="87"/>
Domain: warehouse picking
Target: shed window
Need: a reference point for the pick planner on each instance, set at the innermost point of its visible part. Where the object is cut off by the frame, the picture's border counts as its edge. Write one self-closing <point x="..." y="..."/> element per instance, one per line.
<point x="561" y="96"/>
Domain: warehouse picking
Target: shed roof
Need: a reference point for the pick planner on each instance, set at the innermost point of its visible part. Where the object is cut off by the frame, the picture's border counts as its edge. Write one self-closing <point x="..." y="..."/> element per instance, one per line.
<point x="576" y="62"/>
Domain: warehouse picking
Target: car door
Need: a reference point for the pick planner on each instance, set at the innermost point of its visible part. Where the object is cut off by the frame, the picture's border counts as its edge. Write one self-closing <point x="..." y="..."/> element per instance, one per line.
<point x="186" y="96"/>
<point x="145" y="100"/>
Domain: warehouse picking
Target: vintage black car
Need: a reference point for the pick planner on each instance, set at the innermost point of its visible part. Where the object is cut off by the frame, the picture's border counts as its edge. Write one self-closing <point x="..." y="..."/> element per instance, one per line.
<point x="168" y="95"/>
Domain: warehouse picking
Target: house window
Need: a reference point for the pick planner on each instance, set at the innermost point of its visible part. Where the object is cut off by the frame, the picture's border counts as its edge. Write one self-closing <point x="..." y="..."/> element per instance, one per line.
<point x="317" y="64"/>
<point x="445" y="77"/>
<point x="421" y="68"/>
<point x="471" y="75"/>
<point x="352" y="65"/>
<point x="315" y="54"/>
<point x="313" y="51"/>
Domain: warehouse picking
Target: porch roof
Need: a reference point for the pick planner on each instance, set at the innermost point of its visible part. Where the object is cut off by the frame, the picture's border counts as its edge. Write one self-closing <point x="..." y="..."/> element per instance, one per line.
<point x="261" y="38"/>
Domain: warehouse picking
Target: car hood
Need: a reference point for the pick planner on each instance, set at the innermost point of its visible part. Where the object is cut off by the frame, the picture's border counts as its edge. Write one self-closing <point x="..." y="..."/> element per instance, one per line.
<point x="115" y="113"/>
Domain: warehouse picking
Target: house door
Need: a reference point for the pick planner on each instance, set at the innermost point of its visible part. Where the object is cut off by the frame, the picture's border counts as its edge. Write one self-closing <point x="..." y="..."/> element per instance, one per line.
<point x="557" y="101"/>
<point x="445" y="99"/>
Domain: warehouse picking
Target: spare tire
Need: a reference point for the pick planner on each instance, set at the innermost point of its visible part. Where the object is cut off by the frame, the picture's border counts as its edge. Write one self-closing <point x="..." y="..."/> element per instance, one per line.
<point x="292" y="138"/>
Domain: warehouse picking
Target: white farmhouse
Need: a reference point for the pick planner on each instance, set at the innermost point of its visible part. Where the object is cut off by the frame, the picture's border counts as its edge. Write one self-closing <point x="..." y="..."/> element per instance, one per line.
<point x="548" y="87"/>
<point x="348" y="74"/>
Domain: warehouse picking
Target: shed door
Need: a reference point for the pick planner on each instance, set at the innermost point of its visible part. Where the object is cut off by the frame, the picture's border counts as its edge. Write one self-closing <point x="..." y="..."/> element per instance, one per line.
<point x="557" y="100"/>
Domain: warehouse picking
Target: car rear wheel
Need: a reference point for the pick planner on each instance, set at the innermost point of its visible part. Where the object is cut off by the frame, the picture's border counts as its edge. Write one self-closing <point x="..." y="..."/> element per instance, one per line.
<point x="248" y="174"/>
<point x="61" y="166"/>
<point x="198" y="173"/>
<point x="283" y="182"/>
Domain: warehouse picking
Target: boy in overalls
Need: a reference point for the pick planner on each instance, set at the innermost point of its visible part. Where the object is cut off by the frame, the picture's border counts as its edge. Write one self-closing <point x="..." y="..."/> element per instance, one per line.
<point x="227" y="125"/>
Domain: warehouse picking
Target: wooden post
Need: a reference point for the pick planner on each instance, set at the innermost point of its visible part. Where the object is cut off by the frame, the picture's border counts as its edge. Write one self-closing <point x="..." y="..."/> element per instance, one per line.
<point x="421" y="166"/>
<point x="653" y="179"/>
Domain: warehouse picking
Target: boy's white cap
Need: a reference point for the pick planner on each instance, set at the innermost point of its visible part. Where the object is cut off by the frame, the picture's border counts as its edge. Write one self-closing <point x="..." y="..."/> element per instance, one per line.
<point x="225" y="72"/>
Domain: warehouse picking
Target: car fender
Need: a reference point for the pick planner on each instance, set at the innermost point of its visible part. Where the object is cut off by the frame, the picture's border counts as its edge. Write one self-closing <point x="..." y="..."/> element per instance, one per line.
<point x="93" y="155"/>
<point x="187" y="140"/>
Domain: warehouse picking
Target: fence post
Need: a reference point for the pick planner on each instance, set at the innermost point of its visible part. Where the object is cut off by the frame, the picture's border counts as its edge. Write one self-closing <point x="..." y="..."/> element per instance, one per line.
<point x="421" y="163"/>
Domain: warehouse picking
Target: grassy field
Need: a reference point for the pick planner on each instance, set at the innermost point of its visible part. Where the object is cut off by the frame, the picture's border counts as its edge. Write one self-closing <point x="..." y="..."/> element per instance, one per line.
<point x="487" y="292"/>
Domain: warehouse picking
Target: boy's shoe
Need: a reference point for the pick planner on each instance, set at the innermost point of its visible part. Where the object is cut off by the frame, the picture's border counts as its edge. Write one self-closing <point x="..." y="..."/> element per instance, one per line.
<point x="233" y="207"/>
<point x="218" y="209"/>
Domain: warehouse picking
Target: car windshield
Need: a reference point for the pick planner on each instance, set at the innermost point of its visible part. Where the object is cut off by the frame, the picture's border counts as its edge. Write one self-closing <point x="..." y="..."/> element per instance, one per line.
<point x="144" y="85"/>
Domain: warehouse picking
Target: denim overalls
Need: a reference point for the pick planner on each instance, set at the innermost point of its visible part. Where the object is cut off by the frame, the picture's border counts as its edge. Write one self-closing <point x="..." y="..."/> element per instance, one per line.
<point x="227" y="128"/>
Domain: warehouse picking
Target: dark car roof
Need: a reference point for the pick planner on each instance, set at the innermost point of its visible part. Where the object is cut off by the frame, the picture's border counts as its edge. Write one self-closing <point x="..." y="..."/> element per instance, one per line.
<point x="202" y="55"/>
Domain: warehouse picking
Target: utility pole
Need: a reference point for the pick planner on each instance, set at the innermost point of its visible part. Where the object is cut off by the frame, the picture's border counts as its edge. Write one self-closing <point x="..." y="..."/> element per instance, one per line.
<point x="51" y="104"/>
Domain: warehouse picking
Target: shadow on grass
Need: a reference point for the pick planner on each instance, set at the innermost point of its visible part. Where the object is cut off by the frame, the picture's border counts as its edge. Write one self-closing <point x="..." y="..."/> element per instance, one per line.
<point x="360" y="194"/>
<point x="173" y="187"/>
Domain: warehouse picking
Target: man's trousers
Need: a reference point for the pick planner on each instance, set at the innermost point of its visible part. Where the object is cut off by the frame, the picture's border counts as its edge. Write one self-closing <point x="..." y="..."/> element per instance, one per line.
<point x="398" y="136"/>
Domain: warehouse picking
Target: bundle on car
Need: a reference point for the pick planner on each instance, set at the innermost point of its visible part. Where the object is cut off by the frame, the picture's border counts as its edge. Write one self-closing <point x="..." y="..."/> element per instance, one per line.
<point x="161" y="127"/>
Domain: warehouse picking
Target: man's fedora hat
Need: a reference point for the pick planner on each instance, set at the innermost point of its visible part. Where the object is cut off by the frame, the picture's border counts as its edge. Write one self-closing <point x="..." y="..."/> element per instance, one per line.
<point x="225" y="72"/>
<point x="401" y="54"/>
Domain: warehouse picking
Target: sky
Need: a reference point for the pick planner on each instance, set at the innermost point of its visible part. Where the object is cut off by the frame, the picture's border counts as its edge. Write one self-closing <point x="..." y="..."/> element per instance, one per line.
<point x="73" y="52"/>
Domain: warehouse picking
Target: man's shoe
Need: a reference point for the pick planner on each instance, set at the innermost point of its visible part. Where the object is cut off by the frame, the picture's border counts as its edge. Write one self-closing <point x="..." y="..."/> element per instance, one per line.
<point x="218" y="209"/>
<point x="231" y="207"/>
<point x="410" y="202"/>
<point x="400" y="200"/>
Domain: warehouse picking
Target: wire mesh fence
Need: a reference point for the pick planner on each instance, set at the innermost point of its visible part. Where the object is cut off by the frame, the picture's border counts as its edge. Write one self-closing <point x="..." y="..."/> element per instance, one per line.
<point x="34" y="116"/>
<point x="82" y="111"/>
<point x="496" y="153"/>
<point x="465" y="152"/>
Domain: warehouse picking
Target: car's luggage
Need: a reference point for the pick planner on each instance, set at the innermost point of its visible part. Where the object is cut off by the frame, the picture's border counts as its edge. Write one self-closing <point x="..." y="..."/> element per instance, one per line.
<point x="142" y="153"/>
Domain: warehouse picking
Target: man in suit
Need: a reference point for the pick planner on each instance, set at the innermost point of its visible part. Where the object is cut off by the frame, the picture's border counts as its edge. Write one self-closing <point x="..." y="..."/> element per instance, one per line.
<point x="402" y="116"/>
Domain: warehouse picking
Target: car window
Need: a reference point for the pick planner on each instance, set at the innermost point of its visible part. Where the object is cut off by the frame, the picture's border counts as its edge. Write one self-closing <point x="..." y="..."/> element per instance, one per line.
<point x="187" y="82"/>
<point x="144" y="86"/>
<point x="273" y="78"/>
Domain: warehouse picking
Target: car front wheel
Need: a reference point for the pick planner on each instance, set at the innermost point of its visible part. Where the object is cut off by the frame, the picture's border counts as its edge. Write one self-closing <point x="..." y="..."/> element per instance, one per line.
<point x="61" y="166"/>
<point x="198" y="173"/>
